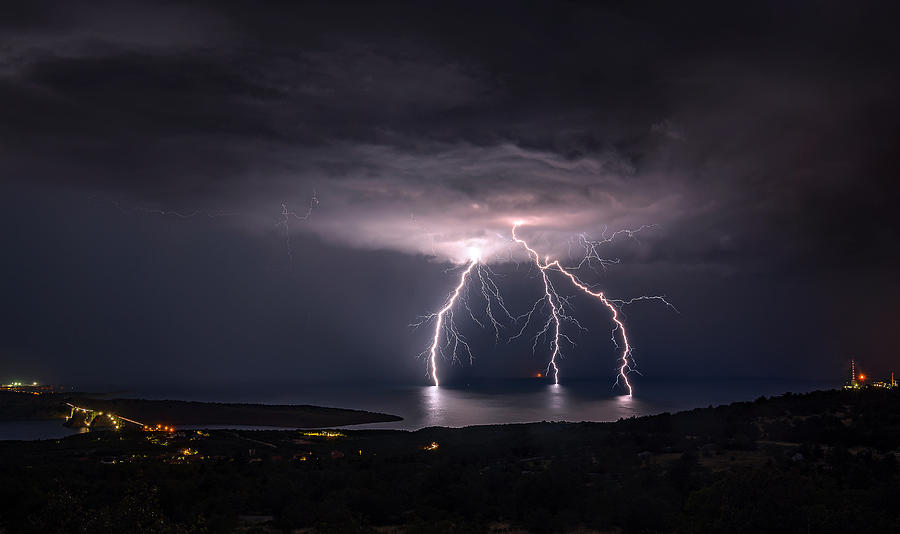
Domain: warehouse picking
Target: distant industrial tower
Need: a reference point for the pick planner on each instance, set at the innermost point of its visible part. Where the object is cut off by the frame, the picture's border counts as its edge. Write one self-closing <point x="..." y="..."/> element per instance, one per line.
<point x="853" y="384"/>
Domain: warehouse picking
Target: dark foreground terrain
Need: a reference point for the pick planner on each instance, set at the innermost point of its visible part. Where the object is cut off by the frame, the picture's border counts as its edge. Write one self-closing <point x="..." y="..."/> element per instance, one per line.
<point x="819" y="462"/>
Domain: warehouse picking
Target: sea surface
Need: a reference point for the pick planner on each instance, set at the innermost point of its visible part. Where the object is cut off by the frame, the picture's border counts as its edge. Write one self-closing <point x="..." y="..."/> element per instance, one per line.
<point x="482" y="403"/>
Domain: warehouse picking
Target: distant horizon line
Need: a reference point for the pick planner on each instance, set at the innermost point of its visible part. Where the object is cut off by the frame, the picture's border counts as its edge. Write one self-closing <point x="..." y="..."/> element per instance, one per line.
<point x="424" y="383"/>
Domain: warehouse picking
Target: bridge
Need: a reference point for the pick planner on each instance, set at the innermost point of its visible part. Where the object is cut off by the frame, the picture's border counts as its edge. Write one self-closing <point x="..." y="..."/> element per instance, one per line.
<point x="87" y="418"/>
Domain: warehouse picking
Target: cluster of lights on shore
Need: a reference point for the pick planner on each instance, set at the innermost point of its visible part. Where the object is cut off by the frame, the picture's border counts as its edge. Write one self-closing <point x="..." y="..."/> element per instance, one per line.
<point x="859" y="380"/>
<point x="445" y="327"/>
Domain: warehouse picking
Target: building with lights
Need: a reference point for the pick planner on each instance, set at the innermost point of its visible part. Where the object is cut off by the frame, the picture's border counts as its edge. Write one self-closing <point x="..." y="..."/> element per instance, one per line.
<point x="860" y="381"/>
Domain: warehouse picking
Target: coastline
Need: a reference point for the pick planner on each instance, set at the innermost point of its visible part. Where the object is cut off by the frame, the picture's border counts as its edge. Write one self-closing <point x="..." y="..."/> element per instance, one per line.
<point x="193" y="413"/>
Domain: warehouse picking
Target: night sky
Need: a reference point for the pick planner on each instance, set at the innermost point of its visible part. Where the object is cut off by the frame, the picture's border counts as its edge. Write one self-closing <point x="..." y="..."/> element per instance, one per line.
<point x="146" y="150"/>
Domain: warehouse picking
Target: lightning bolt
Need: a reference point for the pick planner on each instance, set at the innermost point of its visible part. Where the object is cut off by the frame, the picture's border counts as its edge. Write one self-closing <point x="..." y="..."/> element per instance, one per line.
<point x="556" y="312"/>
<point x="289" y="215"/>
<point x="495" y="312"/>
<point x="497" y="315"/>
<point x="453" y="335"/>
<point x="557" y="303"/>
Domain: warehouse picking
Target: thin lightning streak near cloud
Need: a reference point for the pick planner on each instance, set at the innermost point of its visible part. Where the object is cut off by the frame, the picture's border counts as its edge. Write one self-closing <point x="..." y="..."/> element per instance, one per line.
<point x="592" y="247"/>
<point x="211" y="214"/>
<point x="173" y="213"/>
<point x="286" y="221"/>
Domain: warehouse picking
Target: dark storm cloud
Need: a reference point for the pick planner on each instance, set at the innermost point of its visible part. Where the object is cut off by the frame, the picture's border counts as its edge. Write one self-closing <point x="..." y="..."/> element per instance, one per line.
<point x="759" y="139"/>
